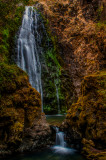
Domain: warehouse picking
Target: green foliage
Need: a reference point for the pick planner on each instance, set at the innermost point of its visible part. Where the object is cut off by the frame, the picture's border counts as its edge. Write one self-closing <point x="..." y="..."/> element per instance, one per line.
<point x="52" y="75"/>
<point x="5" y="34"/>
<point x="5" y="44"/>
<point x="11" y="15"/>
<point x="51" y="70"/>
<point x="99" y="12"/>
<point x="51" y="80"/>
<point x="101" y="25"/>
<point x="26" y="1"/>
<point x="51" y="59"/>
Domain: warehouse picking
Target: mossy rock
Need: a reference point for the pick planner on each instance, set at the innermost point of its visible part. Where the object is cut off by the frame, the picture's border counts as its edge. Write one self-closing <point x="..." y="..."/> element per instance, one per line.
<point x="20" y="104"/>
<point x="88" y="114"/>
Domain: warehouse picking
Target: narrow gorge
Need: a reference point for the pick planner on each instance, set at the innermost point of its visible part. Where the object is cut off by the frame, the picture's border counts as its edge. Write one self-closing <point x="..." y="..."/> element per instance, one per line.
<point x="52" y="80"/>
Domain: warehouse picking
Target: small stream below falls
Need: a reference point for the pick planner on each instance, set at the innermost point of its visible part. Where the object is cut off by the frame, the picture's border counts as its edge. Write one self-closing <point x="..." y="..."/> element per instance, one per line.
<point x="59" y="151"/>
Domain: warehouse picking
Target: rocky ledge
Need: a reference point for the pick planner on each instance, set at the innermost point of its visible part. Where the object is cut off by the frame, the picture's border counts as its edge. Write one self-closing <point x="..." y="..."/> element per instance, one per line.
<point x="22" y="126"/>
<point x="85" y="121"/>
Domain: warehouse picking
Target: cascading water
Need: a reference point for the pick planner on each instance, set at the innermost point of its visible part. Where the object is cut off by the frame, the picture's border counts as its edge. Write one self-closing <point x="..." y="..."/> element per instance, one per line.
<point x="60" y="138"/>
<point x="29" y="48"/>
<point x="57" y="94"/>
<point x="61" y="146"/>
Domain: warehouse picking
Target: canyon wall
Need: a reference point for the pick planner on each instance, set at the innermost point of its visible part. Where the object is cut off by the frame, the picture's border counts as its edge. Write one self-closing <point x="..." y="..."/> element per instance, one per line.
<point x="80" y="39"/>
<point x="22" y="126"/>
<point x="80" y="29"/>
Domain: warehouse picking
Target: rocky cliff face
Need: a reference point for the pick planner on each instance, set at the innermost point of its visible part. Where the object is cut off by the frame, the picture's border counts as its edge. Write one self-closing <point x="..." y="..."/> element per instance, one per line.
<point x="85" y="120"/>
<point x="81" y="40"/>
<point x="80" y="29"/>
<point x="20" y="114"/>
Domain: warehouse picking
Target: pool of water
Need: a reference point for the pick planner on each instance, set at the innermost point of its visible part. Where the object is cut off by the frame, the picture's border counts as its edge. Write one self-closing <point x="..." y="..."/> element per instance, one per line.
<point x="55" y="120"/>
<point x="55" y="153"/>
<point x="59" y="151"/>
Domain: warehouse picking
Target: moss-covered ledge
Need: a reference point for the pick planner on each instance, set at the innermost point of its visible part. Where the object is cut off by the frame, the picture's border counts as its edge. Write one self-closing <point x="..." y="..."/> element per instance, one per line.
<point x="86" y="118"/>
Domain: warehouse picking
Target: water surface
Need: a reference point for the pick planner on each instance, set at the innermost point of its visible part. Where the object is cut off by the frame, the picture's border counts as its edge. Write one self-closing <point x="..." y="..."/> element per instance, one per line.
<point x="55" y="120"/>
<point x="50" y="154"/>
<point x="60" y="151"/>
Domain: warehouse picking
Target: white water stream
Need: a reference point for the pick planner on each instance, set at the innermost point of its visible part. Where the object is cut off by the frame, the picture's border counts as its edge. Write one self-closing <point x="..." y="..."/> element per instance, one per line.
<point x="57" y="95"/>
<point x="29" y="48"/>
<point x="61" y="145"/>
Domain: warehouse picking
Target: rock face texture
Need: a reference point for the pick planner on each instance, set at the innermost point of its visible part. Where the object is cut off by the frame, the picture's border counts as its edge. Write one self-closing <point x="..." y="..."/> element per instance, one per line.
<point x="86" y="119"/>
<point x="20" y="114"/>
<point x="80" y="29"/>
<point x="81" y="40"/>
<point x="37" y="137"/>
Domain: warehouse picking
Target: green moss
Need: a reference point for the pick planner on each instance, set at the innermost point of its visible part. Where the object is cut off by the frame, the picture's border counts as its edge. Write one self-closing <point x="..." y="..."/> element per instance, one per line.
<point x="101" y="26"/>
<point x="99" y="12"/>
<point x="87" y="115"/>
<point x="54" y="75"/>
<point x="9" y="76"/>
<point x="20" y="104"/>
<point x="51" y="58"/>
<point x="51" y="71"/>
<point x="11" y="16"/>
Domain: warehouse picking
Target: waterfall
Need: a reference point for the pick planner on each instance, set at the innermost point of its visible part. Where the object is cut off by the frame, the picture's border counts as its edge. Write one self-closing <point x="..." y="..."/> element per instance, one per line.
<point x="60" y="138"/>
<point x="29" y="48"/>
<point x="61" y="145"/>
<point x="57" y="95"/>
